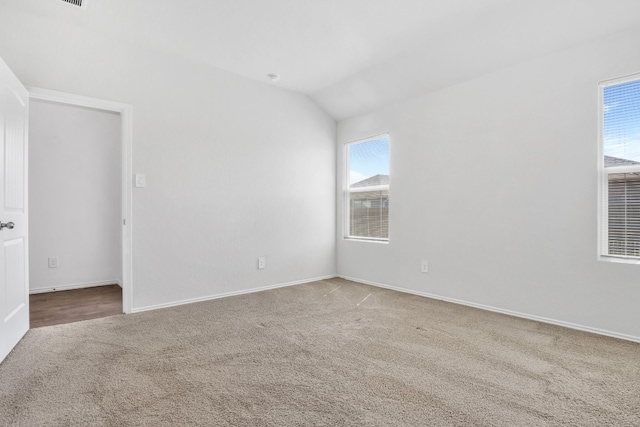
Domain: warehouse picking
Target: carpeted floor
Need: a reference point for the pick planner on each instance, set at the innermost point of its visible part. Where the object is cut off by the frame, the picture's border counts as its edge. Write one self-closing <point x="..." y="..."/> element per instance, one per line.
<point x="329" y="353"/>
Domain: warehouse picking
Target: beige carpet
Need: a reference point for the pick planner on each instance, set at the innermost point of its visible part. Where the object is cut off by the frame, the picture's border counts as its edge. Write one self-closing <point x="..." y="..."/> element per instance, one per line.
<point x="330" y="353"/>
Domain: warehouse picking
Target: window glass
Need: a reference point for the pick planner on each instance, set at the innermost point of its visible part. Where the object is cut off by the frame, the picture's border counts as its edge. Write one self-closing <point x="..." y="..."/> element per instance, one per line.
<point x="368" y="190"/>
<point x="621" y="130"/>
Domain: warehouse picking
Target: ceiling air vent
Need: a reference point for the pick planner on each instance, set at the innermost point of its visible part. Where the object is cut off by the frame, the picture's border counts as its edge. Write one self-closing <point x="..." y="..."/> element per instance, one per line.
<point x="80" y="3"/>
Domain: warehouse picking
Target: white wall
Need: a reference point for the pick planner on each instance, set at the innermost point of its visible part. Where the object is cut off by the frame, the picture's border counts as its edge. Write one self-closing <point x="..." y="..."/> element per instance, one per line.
<point x="235" y="168"/>
<point x="494" y="182"/>
<point x="74" y="196"/>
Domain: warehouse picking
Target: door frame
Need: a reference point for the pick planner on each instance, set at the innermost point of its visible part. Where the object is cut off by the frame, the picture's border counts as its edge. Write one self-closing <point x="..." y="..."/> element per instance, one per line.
<point x="126" y="113"/>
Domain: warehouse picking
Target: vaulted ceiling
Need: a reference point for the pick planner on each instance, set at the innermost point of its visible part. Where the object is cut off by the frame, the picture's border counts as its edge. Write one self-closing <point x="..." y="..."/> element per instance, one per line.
<point x="350" y="56"/>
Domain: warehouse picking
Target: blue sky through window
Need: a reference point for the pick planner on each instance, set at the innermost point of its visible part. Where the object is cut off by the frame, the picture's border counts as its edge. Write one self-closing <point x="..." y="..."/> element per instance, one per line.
<point x="369" y="158"/>
<point x="621" y="133"/>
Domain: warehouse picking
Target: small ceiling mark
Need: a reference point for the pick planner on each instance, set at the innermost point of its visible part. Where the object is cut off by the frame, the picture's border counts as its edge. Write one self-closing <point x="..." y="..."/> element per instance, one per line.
<point x="273" y="77"/>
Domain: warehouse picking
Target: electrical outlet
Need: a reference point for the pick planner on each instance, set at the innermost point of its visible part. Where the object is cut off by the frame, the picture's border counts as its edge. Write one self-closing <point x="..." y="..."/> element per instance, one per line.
<point x="141" y="180"/>
<point x="53" y="262"/>
<point x="262" y="263"/>
<point x="424" y="267"/>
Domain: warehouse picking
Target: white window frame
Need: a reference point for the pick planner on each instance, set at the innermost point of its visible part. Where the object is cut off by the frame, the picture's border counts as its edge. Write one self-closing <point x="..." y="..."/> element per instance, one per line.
<point x="603" y="179"/>
<point x="347" y="190"/>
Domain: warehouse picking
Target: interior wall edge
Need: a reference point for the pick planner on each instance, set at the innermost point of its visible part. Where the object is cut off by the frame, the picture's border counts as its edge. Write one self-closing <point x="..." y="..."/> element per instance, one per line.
<point x="521" y="315"/>
<point x="71" y="286"/>
<point x="230" y="294"/>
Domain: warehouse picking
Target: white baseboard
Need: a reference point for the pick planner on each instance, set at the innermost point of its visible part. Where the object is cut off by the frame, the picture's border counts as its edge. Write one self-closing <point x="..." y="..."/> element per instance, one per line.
<point x="228" y="294"/>
<point x="75" y="286"/>
<point x="502" y="311"/>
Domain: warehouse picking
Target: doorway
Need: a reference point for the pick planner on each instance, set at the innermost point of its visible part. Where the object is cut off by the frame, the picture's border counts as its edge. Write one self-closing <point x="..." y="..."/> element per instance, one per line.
<point x="80" y="204"/>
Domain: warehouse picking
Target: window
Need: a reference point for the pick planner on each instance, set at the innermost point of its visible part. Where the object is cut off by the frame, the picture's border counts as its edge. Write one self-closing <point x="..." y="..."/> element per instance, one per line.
<point x="367" y="193"/>
<point x="620" y="169"/>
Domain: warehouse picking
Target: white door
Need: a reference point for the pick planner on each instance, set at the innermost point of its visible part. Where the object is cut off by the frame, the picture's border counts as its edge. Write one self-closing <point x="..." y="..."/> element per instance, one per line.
<point x="14" y="268"/>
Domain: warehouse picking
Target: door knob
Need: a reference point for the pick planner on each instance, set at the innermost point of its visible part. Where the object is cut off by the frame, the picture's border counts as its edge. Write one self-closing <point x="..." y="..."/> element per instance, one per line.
<point x="8" y="225"/>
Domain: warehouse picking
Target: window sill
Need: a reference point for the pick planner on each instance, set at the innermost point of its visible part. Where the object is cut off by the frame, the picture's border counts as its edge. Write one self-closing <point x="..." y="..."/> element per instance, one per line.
<point x="619" y="260"/>
<point x="364" y="239"/>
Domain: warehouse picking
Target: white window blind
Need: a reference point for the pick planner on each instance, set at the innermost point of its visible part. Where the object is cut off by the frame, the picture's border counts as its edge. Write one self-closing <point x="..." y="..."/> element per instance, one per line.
<point x="367" y="195"/>
<point x="621" y="168"/>
<point x="624" y="214"/>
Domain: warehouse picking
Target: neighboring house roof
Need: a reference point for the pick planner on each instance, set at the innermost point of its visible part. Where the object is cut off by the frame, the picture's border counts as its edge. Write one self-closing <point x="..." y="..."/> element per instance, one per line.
<point x="616" y="161"/>
<point x="374" y="180"/>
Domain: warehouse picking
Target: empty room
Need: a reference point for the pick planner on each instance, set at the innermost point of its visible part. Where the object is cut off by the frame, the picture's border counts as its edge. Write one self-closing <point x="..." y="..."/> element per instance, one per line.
<point x="336" y="213"/>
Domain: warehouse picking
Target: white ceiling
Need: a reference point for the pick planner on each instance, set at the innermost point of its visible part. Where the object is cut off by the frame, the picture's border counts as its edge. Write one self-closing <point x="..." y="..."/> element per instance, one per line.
<point x="351" y="56"/>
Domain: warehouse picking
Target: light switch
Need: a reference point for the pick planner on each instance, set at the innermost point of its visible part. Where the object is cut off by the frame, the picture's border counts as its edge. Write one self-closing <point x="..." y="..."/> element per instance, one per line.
<point x="141" y="180"/>
<point x="424" y="267"/>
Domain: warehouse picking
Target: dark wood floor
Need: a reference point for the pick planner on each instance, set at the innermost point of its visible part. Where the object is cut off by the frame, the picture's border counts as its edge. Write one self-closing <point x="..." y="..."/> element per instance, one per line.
<point x="54" y="308"/>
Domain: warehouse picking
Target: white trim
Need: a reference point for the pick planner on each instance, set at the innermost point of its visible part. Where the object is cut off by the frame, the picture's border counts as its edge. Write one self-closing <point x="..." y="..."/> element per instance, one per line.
<point x="346" y="220"/>
<point x="78" y="100"/>
<point x="501" y="311"/>
<point x="367" y="189"/>
<point x="621" y="169"/>
<point x="229" y="294"/>
<point x="365" y="239"/>
<point x="74" y="286"/>
<point x="126" y="115"/>
<point x="368" y="138"/>
<point x="619" y="258"/>
<point x="602" y="214"/>
<point x="619" y="80"/>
